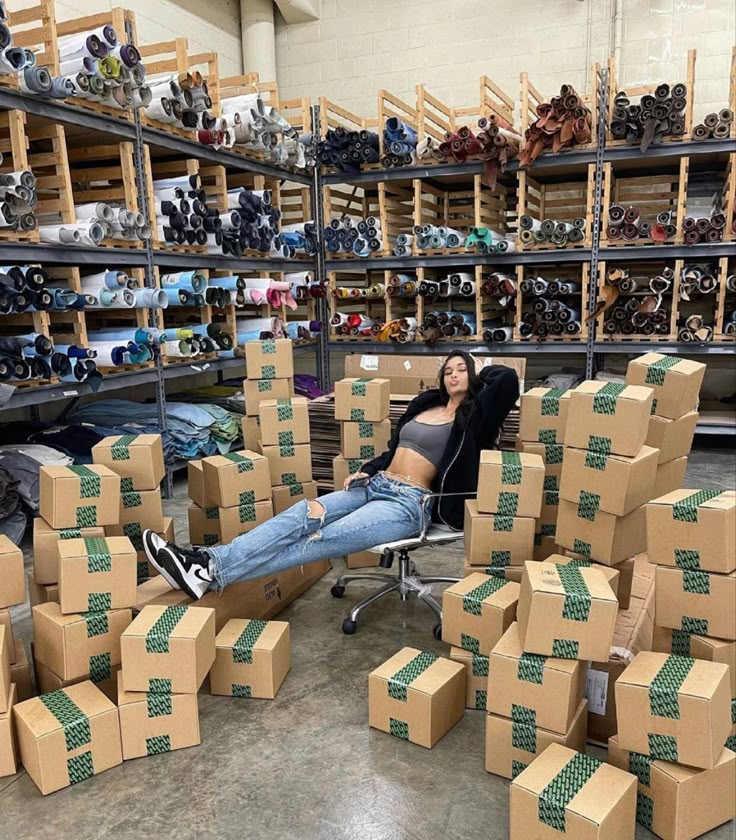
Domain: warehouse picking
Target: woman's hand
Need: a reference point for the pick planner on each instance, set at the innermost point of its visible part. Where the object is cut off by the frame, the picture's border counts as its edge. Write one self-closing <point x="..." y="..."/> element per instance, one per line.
<point x="353" y="477"/>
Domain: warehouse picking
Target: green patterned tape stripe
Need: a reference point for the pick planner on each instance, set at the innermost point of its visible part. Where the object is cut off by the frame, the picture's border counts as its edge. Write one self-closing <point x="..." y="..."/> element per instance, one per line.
<point x="240" y="690"/>
<point x="577" y="595"/>
<point x="548" y="530"/>
<point x="473" y="600"/>
<point x="80" y="767"/>
<point x="641" y="767"/>
<point x="158" y="744"/>
<point x="694" y="626"/>
<point x="499" y="560"/>
<point x="99" y="601"/>
<point x="604" y="401"/>
<point x="100" y="667"/>
<point x="357" y="414"/>
<point x="244" y="464"/>
<point x="551" y="483"/>
<point x="73" y="720"/>
<point x="286" y="439"/>
<point x="120" y="450"/>
<point x="214" y="512"/>
<point x="286" y="451"/>
<point x="358" y="388"/>
<point x="264" y="385"/>
<point x="246" y="513"/>
<point x="588" y="505"/>
<point x="480" y="665"/>
<point x="547" y="436"/>
<point x="398" y="728"/>
<point x="510" y="468"/>
<point x="698" y="582"/>
<point x="159" y="685"/>
<point x="663" y="747"/>
<point x="599" y="445"/>
<point x="551" y="402"/>
<point x="531" y="668"/>
<point x="98" y="555"/>
<point x="559" y="793"/>
<point x="481" y="699"/>
<point x="157" y="638"/>
<point x="733" y="711"/>
<point x="565" y="649"/>
<point x="134" y="532"/>
<point x="126" y="485"/>
<point x="686" y="510"/>
<point x="131" y="500"/>
<point x="553" y="453"/>
<point x="158" y="705"/>
<point x="366" y="430"/>
<point x="247" y="497"/>
<point x="89" y="482"/>
<point x="284" y="410"/>
<point x="86" y="516"/>
<point x="243" y="646"/>
<point x="296" y="489"/>
<point x="97" y="623"/>
<point x="667" y="682"/>
<point x="687" y="559"/>
<point x="596" y="460"/>
<point x="503" y="522"/>
<point x="70" y="534"/>
<point x="517" y="767"/>
<point x="580" y="547"/>
<point x="523" y="728"/>
<point x="644" y="810"/>
<point x="680" y="642"/>
<point x="657" y="371"/>
<point x="404" y="677"/>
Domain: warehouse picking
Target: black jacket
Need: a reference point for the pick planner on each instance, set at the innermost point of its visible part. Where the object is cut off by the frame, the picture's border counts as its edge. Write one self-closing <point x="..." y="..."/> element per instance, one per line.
<point x="457" y="471"/>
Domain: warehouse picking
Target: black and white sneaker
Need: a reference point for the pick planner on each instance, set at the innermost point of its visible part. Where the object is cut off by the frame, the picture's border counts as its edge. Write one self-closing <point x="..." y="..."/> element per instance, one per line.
<point x="188" y="569"/>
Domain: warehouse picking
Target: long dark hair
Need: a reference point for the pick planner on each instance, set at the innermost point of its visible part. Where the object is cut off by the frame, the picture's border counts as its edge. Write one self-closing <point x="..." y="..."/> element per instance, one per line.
<point x="475" y="386"/>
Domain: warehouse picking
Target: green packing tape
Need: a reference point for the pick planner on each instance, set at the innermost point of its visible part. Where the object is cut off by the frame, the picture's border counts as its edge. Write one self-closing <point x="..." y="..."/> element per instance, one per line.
<point x="644" y="810"/>
<point x="588" y="505"/>
<point x="244" y="464"/>
<point x="134" y="532"/>
<point x="404" y="677"/>
<point x="552" y="498"/>
<point x="243" y="646"/>
<point x="126" y="485"/>
<point x="473" y="600"/>
<point x="354" y="464"/>
<point x="553" y="453"/>
<point x="158" y="744"/>
<point x="641" y="767"/>
<point x="284" y="410"/>
<point x="99" y="601"/>
<point x="565" y="649"/>
<point x="557" y="795"/>
<point x="694" y="626"/>
<point x="663" y="747"/>
<point x="731" y="743"/>
<point x="268" y="372"/>
<point x="663" y="700"/>
<point x="398" y="728"/>
<point x="680" y="644"/>
<point x="531" y="668"/>
<point x="246" y="513"/>
<point x="503" y="523"/>
<point x="480" y="665"/>
<point x="158" y="705"/>
<point x="481" y="700"/>
<point x="73" y="720"/>
<point x="537" y="539"/>
<point x="70" y="534"/>
<point x="288" y="478"/>
<point x="582" y="547"/>
<point x="596" y="460"/>
<point x="247" y="497"/>
<point x="131" y="500"/>
<point x="604" y="401"/>
<point x="657" y="371"/>
<point x="268" y="347"/>
<point x="287" y="451"/>
<point x="578" y="599"/>
<point x="365" y="430"/>
<point x="296" y="489"/>
<point x="551" y="402"/>
<point x="97" y="623"/>
<point x="157" y="638"/>
<point x="548" y="530"/>
<point x="600" y="445"/>
<point x="286" y="439"/>
<point x="141" y="572"/>
<point x="357" y="414"/>
<point x="470" y="643"/>
<point x="213" y="512"/>
<point x="500" y="559"/>
<point x="686" y="510"/>
<point x="211" y="539"/>
<point x="159" y="685"/>
<point x="367" y="451"/>
<point x="239" y="690"/>
<point x="510" y="468"/>
<point x="697" y="582"/>
<point x="89" y="482"/>
<point x="120" y="450"/>
<point x="551" y="483"/>
<point x="100" y="667"/>
<point x="517" y="767"/>
<point x="264" y="385"/>
<point x="508" y="503"/>
<point x="547" y="436"/>
<point x="687" y="559"/>
<point x="733" y="711"/>
<point x="98" y="555"/>
<point x="523" y="728"/>
<point x="86" y="516"/>
<point x="80" y="767"/>
<point x="358" y="388"/>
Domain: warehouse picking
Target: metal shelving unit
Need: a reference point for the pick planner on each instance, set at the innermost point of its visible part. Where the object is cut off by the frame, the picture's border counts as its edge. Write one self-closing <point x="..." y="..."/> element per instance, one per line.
<point x="508" y="348"/>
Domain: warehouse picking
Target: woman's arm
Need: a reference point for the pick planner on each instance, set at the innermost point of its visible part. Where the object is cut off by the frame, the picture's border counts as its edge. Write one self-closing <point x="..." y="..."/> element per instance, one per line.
<point x="499" y="395"/>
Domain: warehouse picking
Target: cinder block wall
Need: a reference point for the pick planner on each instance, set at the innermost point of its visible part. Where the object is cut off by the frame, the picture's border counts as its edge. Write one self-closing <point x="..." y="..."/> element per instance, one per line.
<point x="359" y="46"/>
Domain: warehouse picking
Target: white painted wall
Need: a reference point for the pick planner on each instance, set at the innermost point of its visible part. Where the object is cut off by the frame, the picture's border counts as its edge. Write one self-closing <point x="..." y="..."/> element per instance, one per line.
<point x="359" y="46"/>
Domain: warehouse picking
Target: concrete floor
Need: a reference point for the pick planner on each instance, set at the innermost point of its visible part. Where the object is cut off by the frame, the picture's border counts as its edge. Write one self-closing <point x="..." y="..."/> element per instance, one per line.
<point x="306" y="765"/>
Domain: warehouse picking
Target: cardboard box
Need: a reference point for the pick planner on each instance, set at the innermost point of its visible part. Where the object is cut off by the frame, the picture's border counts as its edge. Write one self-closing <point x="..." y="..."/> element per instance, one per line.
<point x="269" y="359"/>
<point x="235" y="521"/>
<point x="284" y="422"/>
<point x="676" y="382"/>
<point x="699" y="647"/>
<point x="600" y="536"/>
<point x="144" y="507"/>
<point x="285" y="495"/>
<point x="68" y="736"/>
<point x="77" y="646"/>
<point x="551" y="687"/>
<point x="608" y="418"/>
<point x="343" y="467"/>
<point x="477" y="611"/>
<point x="550" y="453"/>
<point x="9" y="638"/>
<point x="47" y="681"/>
<point x="510" y="483"/>
<point x="236" y="478"/>
<point x="96" y="575"/>
<point x="497" y="540"/>
<point x="544" y="414"/>
<point x="139" y="458"/>
<point x="4" y="671"/>
<point x="677" y="802"/>
<point x="45" y="551"/>
<point x="621" y="581"/>
<point x="693" y="529"/>
<point x="362" y="399"/>
<point x="250" y="428"/>
<point x="476" y="677"/>
<point x="673" y="438"/>
<point x="144" y="569"/>
<point x="674" y="708"/>
<point x="364" y="560"/>
<point x="12" y="582"/>
<point x="697" y="602"/>
<point x="151" y="724"/>
<point x="512" y="745"/>
<point x="289" y="464"/>
<point x="364" y="440"/>
<point x="670" y="476"/>
<point x="257" y="390"/>
<point x="416" y="696"/>
<point x="545" y="544"/>
<point x="8" y="747"/>
<point x="204" y="525"/>
<point x="252" y="658"/>
<point x="566" y="611"/>
<point x="609" y="572"/>
<point x="566" y="793"/>
<point x="195" y="484"/>
<point x="79" y="497"/>
<point x="20" y="672"/>
<point x="619" y="484"/>
<point x="168" y="649"/>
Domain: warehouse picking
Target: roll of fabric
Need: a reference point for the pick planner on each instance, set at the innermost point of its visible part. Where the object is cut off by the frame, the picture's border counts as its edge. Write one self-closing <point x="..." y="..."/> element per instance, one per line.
<point x="652" y="119"/>
<point x="561" y="123"/>
<point x="346" y="150"/>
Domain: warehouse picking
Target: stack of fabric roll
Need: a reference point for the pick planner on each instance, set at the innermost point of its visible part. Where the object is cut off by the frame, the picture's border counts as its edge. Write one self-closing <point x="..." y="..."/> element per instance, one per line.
<point x="346" y="150"/>
<point x="25" y="288"/>
<point x="300" y="238"/>
<point x="501" y="289"/>
<point x="356" y="325"/>
<point x="403" y="245"/>
<point x="639" y="307"/>
<point x="657" y="115"/>
<point x="561" y="123"/>
<point x="457" y="284"/>
<point x="119" y="352"/>
<point x="551" y="231"/>
<point x="375" y="291"/>
<point x="95" y="222"/>
<point x="114" y="289"/>
<point x="438" y="325"/>
<point x="704" y="228"/>
<point x="18" y="200"/>
<point x="627" y="223"/>
<point x="629" y="284"/>
<point x="34" y="356"/>
<point x="715" y="126"/>
<point x="401" y="285"/>
<point x="699" y="279"/>
<point x="432" y="237"/>
<point x="496" y="332"/>
<point x="695" y="328"/>
<point x="303" y="286"/>
<point x="252" y="224"/>
<point x="360" y="238"/>
<point x="181" y="99"/>
<point x="265" y="290"/>
<point x="500" y="286"/>
<point x="182" y="214"/>
<point x="192" y="288"/>
<point x="399" y="143"/>
<point x="487" y="241"/>
<point x="13" y="59"/>
<point x="554" y="309"/>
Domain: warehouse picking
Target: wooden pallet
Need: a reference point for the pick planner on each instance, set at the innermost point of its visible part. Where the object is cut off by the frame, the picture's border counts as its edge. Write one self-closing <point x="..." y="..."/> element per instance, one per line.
<point x="396" y="206"/>
<point x="561" y="202"/>
<point x="14" y="145"/>
<point x="576" y="272"/>
<point x="724" y="297"/>
<point x="729" y="194"/>
<point x="454" y="206"/>
<point x="168" y="169"/>
<point x="34" y="28"/>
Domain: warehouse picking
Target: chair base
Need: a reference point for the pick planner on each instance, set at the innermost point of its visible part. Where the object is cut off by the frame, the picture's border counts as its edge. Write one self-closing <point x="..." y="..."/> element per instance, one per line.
<point x="406" y="582"/>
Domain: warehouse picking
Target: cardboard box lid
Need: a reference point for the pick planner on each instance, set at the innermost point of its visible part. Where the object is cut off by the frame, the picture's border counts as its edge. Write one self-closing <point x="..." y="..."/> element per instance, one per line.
<point x="545" y="577"/>
<point x="189" y="624"/>
<point x="641" y="455"/>
<point x="58" y="473"/>
<point x="509" y="645"/>
<point x="114" y="546"/>
<point x="265" y="635"/>
<point x="52" y="611"/>
<point x="142" y="440"/>
<point x="8" y="547"/>
<point x="539" y="392"/>
<point x="677" y="772"/>
<point x="461" y="653"/>
<point x="87" y="698"/>
<point x="682" y="366"/>
<point x="595" y="790"/>
<point x="526" y="459"/>
<point x="724" y="500"/>
<point x="368" y="380"/>
<point x="291" y="400"/>
<point x="636" y="393"/>
<point x="221" y="461"/>
<point x="433" y="673"/>
<point x="701" y="681"/>
<point x="493" y="591"/>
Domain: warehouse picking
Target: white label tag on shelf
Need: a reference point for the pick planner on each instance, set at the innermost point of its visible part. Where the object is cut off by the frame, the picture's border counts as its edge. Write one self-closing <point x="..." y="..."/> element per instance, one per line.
<point x="369" y="362"/>
<point x="71" y="393"/>
<point x="407" y="364"/>
<point x="597" y="691"/>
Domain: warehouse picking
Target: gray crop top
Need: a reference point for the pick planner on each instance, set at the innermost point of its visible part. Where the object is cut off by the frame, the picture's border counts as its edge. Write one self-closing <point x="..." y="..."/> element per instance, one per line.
<point x="428" y="439"/>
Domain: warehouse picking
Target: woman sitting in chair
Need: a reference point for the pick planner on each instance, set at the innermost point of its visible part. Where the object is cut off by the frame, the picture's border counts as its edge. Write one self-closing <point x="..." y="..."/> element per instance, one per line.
<point x="432" y="456"/>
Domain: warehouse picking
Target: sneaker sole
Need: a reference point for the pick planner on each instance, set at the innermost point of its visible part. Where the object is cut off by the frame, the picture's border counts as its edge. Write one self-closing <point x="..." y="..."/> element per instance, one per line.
<point x="166" y="556"/>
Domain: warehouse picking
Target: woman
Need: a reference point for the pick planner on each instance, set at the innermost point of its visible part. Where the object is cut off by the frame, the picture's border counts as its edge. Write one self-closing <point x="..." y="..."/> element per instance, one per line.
<point x="434" y="452"/>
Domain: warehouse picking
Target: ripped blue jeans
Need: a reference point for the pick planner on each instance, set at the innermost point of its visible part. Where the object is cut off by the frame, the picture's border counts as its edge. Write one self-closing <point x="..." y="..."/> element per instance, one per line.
<point x="373" y="511"/>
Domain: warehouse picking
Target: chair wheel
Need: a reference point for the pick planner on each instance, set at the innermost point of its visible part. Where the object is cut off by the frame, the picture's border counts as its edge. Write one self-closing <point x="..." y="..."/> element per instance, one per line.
<point x="437" y="631"/>
<point x="349" y="627"/>
<point x="337" y="591"/>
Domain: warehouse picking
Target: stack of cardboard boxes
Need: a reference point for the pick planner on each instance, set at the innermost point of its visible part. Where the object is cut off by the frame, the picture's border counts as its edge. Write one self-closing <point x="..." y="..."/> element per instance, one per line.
<point x="12" y="651"/>
<point x="362" y="406"/>
<point x="270" y="370"/>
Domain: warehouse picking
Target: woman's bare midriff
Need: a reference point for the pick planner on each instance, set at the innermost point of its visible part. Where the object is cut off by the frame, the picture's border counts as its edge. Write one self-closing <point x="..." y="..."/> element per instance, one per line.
<point x="408" y="465"/>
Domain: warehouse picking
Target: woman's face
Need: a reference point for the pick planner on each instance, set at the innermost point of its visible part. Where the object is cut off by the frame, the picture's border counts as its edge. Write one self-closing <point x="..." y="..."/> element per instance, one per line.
<point x="456" y="377"/>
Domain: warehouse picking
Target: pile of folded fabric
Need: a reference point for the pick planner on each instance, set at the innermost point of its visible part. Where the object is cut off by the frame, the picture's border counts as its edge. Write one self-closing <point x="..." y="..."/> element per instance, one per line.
<point x="561" y="123"/>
